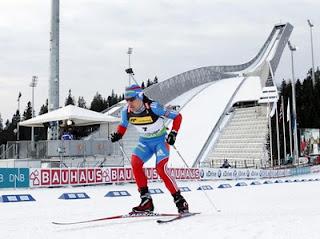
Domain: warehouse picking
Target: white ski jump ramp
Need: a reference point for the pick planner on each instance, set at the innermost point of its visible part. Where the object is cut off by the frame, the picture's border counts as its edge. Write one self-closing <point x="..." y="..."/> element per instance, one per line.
<point x="206" y="94"/>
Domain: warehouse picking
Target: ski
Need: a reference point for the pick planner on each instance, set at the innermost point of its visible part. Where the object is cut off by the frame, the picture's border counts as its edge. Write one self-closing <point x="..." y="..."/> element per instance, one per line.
<point x="178" y="217"/>
<point x="129" y="215"/>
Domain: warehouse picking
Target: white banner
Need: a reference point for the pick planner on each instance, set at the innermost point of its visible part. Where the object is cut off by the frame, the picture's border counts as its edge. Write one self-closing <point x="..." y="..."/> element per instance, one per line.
<point x="235" y="174"/>
<point x="40" y="177"/>
<point x="50" y="177"/>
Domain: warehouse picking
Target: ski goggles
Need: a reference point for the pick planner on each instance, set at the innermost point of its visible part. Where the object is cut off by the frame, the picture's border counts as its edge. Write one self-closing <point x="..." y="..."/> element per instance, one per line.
<point x="131" y="99"/>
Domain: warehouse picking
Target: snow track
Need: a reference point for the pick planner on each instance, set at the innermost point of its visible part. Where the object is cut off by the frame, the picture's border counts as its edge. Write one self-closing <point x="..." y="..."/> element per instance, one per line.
<point x="282" y="210"/>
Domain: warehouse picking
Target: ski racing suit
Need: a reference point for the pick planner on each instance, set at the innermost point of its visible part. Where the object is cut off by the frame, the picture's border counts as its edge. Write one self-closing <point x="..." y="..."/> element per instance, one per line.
<point x="150" y="123"/>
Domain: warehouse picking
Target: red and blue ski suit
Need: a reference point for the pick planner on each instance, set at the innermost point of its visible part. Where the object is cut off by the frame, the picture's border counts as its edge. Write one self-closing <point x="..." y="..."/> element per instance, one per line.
<point x="152" y="140"/>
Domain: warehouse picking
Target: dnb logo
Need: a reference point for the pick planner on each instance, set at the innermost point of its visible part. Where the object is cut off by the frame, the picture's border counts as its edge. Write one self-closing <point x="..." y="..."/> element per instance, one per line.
<point x="219" y="173"/>
<point x="201" y="173"/>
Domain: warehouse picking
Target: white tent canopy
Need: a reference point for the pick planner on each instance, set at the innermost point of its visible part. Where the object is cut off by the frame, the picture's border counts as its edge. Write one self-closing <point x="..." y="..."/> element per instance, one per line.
<point x="79" y="116"/>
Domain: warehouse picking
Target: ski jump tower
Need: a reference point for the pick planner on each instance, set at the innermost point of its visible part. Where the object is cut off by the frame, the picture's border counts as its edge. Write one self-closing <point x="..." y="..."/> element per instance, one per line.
<point x="220" y="89"/>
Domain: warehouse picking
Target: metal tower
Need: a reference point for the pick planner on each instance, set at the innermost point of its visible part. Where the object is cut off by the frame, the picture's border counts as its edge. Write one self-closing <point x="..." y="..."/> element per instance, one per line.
<point x="53" y="99"/>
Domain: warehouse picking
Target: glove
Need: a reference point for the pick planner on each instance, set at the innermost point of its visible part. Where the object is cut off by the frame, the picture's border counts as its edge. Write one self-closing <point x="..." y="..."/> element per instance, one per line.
<point x="171" y="139"/>
<point x="115" y="137"/>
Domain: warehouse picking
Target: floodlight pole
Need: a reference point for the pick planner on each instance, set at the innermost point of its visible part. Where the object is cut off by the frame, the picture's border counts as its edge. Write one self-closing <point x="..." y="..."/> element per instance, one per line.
<point x="312" y="57"/>
<point x="129" y="52"/>
<point x="33" y="84"/>
<point x="294" y="112"/>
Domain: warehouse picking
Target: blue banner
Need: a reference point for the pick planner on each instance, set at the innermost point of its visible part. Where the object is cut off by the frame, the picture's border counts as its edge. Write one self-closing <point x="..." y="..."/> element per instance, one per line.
<point x="14" y="177"/>
<point x="299" y="171"/>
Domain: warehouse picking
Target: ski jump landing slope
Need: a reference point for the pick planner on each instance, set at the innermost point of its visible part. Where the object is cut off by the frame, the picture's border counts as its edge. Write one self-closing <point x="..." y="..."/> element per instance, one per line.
<point x="277" y="211"/>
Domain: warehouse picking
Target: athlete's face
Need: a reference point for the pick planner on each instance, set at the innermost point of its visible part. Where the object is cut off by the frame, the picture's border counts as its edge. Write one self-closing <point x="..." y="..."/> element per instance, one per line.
<point x="134" y="103"/>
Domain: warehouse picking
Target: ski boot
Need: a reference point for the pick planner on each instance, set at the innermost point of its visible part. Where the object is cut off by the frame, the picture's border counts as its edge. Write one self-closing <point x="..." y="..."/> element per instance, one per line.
<point x="146" y="204"/>
<point x="180" y="202"/>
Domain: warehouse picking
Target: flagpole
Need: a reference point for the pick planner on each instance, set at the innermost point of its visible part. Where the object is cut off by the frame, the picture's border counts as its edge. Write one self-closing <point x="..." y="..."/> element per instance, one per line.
<point x="270" y="133"/>
<point x="278" y="138"/>
<point x="284" y="130"/>
<point x="290" y="126"/>
<point x="18" y="127"/>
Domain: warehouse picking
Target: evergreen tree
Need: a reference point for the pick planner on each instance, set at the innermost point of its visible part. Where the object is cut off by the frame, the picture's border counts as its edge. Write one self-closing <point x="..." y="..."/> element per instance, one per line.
<point x="155" y="81"/>
<point x="44" y="108"/>
<point x="27" y="114"/>
<point x="81" y="102"/>
<point x="98" y="104"/>
<point x="149" y="83"/>
<point x="142" y="85"/>
<point x="69" y="100"/>
<point x="1" y="123"/>
<point x="41" y="133"/>
<point x="317" y="97"/>
<point x="114" y="99"/>
<point x="109" y="101"/>
<point x="7" y="124"/>
<point x="25" y="132"/>
<point x="119" y="98"/>
<point x="307" y="118"/>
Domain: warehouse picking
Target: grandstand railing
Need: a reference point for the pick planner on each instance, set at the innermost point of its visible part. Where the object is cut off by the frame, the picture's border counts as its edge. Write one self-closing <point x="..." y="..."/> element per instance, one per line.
<point x="168" y="90"/>
<point x="2" y="151"/>
<point x="62" y="148"/>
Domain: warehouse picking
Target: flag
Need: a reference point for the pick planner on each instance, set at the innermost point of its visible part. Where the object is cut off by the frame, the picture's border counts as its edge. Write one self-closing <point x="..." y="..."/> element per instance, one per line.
<point x="288" y="110"/>
<point x="273" y="109"/>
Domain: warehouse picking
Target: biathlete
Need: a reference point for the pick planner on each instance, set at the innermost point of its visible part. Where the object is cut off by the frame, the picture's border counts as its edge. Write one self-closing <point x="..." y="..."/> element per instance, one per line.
<point x="148" y="118"/>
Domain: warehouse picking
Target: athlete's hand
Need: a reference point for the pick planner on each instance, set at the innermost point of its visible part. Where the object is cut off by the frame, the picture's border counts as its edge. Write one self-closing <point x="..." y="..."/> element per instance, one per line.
<point x="171" y="139"/>
<point x="115" y="137"/>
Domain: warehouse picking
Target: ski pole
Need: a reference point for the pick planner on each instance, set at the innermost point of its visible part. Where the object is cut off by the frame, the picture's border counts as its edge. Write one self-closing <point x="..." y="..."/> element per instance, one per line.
<point x="123" y="152"/>
<point x="205" y="193"/>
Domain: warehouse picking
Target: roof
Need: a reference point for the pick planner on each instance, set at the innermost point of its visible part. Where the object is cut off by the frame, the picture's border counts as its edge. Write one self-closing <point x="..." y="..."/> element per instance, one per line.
<point x="79" y="116"/>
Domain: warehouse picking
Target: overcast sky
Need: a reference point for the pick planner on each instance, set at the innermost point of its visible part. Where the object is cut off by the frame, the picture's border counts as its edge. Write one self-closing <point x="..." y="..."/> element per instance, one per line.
<point x="168" y="37"/>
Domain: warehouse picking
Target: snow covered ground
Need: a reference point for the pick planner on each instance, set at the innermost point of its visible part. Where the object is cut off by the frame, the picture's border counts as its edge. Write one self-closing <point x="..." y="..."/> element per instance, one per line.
<point x="282" y="210"/>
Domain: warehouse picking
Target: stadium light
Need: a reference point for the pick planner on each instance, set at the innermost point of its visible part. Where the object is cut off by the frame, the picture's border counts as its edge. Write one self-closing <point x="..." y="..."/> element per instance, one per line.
<point x="129" y="52"/>
<point x="312" y="57"/>
<point x="33" y="84"/>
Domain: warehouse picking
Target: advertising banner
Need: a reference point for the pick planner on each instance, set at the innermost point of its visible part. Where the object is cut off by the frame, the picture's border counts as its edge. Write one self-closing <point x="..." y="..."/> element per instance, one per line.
<point x="219" y="173"/>
<point x="92" y="176"/>
<point x="235" y="174"/>
<point x="89" y="176"/>
<point x="14" y="177"/>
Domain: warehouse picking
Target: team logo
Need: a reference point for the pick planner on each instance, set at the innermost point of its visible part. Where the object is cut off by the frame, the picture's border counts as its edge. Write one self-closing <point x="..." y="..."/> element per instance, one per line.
<point x="106" y="176"/>
<point x="34" y="176"/>
<point x="160" y="153"/>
